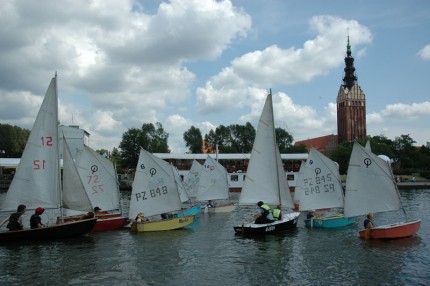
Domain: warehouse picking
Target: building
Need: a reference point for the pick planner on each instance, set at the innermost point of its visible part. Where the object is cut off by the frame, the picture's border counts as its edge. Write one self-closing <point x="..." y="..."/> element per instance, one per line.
<point x="351" y="104"/>
<point x="351" y="112"/>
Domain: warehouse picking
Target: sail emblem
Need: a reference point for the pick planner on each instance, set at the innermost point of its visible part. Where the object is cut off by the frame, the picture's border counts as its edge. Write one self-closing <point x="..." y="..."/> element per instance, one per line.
<point x="152" y="171"/>
<point x="367" y="162"/>
<point x="94" y="168"/>
<point x="317" y="171"/>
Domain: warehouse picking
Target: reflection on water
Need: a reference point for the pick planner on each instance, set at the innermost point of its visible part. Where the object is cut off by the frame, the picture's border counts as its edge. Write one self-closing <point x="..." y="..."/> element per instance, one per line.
<point x="208" y="252"/>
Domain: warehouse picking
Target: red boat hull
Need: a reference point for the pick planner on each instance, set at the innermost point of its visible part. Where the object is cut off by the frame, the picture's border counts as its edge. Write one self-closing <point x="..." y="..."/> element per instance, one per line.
<point x="391" y="231"/>
<point x="105" y="221"/>
<point x="110" y="222"/>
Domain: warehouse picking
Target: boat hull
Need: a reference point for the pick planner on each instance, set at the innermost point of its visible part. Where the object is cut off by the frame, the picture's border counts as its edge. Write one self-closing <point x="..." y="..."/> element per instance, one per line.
<point x="249" y="229"/>
<point x="57" y="231"/>
<point x="162" y="225"/>
<point x="227" y="208"/>
<point x="108" y="221"/>
<point x="329" y="222"/>
<point x="392" y="231"/>
<point x="194" y="210"/>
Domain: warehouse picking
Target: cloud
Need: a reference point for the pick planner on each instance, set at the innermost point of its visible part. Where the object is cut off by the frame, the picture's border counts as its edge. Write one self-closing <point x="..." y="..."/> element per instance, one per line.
<point x="275" y="65"/>
<point x="129" y="65"/>
<point x="424" y="53"/>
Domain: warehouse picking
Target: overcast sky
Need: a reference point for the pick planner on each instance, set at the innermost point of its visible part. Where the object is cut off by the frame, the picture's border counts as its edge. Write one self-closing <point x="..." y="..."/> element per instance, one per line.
<point x="205" y="63"/>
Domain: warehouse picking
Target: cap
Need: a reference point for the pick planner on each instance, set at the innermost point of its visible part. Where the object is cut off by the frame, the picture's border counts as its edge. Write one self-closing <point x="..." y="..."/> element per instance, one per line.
<point x="39" y="210"/>
<point x="97" y="209"/>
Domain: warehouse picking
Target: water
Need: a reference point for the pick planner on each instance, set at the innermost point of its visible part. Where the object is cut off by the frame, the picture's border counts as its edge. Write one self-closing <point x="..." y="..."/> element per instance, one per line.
<point x="209" y="253"/>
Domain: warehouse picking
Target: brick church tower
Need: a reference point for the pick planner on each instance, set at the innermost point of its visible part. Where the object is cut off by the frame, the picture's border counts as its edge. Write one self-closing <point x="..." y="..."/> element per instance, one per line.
<point x="351" y="104"/>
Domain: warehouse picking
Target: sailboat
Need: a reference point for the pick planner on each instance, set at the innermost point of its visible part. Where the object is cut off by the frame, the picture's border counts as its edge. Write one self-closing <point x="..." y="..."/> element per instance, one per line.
<point x="319" y="188"/>
<point x="371" y="188"/>
<point x="95" y="175"/>
<point x="155" y="193"/>
<point x="214" y="186"/>
<point x="265" y="178"/>
<point x="37" y="181"/>
<point x="192" y="180"/>
<point x="192" y="210"/>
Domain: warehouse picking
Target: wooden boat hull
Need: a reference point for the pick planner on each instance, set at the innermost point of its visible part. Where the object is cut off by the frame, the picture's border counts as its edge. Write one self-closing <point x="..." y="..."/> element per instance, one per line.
<point x="57" y="231"/>
<point x="330" y="221"/>
<point x="227" y="208"/>
<point x="162" y="225"/>
<point x="391" y="231"/>
<point x="288" y="222"/>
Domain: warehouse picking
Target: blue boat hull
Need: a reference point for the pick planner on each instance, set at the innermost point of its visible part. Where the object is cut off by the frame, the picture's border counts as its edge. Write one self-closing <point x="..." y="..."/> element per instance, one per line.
<point x="194" y="210"/>
<point x="330" y="222"/>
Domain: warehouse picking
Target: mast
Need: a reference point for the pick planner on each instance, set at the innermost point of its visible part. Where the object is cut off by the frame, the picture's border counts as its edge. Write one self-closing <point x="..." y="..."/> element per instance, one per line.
<point x="58" y="152"/>
<point x="274" y="142"/>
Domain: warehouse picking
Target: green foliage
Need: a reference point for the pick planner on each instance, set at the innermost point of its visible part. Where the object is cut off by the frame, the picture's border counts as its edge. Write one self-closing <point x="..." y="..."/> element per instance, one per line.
<point x="284" y="140"/>
<point x="193" y="139"/>
<point x="149" y="137"/>
<point x="12" y="140"/>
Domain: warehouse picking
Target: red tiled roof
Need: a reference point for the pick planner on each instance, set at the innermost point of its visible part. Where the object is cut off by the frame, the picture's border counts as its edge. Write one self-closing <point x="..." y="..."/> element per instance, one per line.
<point x="320" y="143"/>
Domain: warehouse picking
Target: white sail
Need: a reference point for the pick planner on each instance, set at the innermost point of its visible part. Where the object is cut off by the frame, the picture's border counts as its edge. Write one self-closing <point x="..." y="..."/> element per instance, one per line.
<point x="370" y="185"/>
<point x="154" y="188"/>
<point x="213" y="181"/>
<point x="37" y="182"/>
<point x="319" y="185"/>
<point x="368" y="147"/>
<point x="98" y="176"/>
<point x="265" y="178"/>
<point x="192" y="180"/>
<point x="181" y="188"/>
<point x="74" y="194"/>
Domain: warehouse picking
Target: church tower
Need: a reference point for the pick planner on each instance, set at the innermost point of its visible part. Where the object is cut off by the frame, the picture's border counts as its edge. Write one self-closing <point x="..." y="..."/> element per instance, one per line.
<point x="351" y="104"/>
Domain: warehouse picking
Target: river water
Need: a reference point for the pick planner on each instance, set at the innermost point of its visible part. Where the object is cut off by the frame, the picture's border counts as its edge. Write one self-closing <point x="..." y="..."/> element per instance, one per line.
<point x="209" y="253"/>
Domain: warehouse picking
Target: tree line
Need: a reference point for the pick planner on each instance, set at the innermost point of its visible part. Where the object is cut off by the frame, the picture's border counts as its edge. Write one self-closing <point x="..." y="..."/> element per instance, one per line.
<point x="234" y="138"/>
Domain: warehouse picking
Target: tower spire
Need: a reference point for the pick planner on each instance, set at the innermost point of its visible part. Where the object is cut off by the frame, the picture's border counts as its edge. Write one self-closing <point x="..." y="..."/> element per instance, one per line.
<point x="349" y="78"/>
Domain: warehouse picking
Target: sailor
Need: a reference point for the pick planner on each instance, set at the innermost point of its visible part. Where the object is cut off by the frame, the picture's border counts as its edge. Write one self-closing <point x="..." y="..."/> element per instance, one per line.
<point x="15" y="219"/>
<point x="35" y="219"/>
<point x="264" y="214"/>
<point x="140" y="217"/>
<point x="277" y="213"/>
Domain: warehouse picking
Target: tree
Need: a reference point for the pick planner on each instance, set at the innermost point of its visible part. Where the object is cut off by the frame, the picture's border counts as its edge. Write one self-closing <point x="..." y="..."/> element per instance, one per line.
<point x="193" y="139"/>
<point x="151" y="138"/>
<point x="284" y="139"/>
<point x="130" y="147"/>
<point x="242" y="137"/>
<point x="12" y="140"/>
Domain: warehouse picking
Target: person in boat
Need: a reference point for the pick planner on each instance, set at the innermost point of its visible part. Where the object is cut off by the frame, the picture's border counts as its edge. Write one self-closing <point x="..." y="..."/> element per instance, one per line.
<point x="310" y="214"/>
<point x="88" y="215"/>
<point x="15" y="219"/>
<point x="97" y="210"/>
<point x="210" y="204"/>
<point x="368" y="222"/>
<point x="264" y="214"/>
<point x="140" y="217"/>
<point x="277" y="213"/>
<point x="35" y="219"/>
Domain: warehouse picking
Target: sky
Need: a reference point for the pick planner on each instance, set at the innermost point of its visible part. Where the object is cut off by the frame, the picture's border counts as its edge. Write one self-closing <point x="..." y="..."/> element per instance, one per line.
<point x="203" y="63"/>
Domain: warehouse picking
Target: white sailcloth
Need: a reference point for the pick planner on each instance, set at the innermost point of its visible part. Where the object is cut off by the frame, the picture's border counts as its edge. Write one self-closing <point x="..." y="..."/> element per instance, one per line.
<point x="370" y="185"/>
<point x="74" y="195"/>
<point x="213" y="181"/>
<point x="154" y="188"/>
<point x="181" y="188"/>
<point x="265" y="178"/>
<point x="319" y="186"/>
<point x="37" y="178"/>
<point x="98" y="176"/>
<point x="192" y="180"/>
